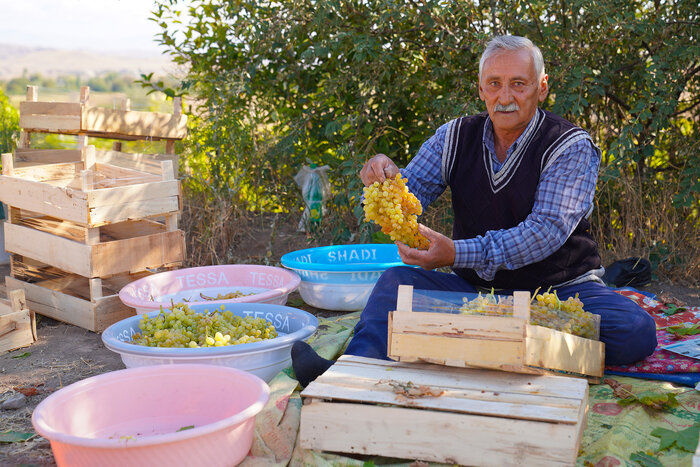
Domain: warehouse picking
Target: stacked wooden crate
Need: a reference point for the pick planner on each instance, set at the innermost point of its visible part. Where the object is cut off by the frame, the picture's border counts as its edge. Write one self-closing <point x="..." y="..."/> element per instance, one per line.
<point x="83" y="223"/>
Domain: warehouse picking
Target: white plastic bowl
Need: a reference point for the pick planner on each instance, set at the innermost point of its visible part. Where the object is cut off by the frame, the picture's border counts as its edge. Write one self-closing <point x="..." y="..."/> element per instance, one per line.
<point x="341" y="277"/>
<point x="264" y="359"/>
<point x="135" y="417"/>
<point x="267" y="284"/>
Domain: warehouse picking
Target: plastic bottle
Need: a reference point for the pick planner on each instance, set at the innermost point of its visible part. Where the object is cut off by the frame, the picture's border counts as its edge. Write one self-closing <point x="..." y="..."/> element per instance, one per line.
<point x="315" y="189"/>
<point x="314" y="197"/>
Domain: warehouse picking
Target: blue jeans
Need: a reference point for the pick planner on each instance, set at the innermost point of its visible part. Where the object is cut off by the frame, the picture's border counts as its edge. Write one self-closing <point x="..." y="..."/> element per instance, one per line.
<point x="629" y="332"/>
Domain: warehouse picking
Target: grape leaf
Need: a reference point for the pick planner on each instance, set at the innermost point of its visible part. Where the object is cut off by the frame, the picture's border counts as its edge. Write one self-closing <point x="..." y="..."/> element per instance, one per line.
<point x="653" y="399"/>
<point x="682" y="330"/>
<point x="24" y="355"/>
<point x="645" y="460"/>
<point x="15" y="436"/>
<point x="188" y="427"/>
<point x="687" y="439"/>
<point x="672" y="309"/>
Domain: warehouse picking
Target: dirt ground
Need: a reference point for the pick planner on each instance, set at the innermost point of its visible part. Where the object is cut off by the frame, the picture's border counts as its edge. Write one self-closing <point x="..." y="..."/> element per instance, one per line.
<point x="65" y="354"/>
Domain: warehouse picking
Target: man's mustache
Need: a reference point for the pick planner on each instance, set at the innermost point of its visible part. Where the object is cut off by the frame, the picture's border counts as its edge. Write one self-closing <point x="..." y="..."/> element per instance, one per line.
<point x="506" y="108"/>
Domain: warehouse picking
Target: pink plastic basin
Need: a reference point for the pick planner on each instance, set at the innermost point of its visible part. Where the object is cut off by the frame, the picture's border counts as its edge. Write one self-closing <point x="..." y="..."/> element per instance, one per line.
<point x="266" y="284"/>
<point x="131" y="417"/>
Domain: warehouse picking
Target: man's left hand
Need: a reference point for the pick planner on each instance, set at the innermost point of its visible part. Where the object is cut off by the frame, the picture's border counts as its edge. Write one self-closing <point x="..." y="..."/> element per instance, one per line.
<point x="441" y="251"/>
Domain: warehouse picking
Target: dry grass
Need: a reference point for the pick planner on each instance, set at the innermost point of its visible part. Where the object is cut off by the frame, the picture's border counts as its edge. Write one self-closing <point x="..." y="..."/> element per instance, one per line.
<point x="634" y="218"/>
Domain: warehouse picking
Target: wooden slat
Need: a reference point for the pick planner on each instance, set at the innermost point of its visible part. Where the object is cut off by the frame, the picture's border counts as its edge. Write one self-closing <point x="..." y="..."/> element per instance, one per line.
<point x="97" y="120"/>
<point x="49" y="116"/>
<point x="134" y="193"/>
<point x="46" y="172"/>
<point x="17" y="323"/>
<point x="440" y="437"/>
<point x="25" y="157"/>
<point x="43" y="198"/>
<point x="139" y="253"/>
<point x="128" y="211"/>
<point x="149" y="163"/>
<point x="476" y="352"/>
<point x="57" y="251"/>
<point x="547" y="348"/>
<point x="350" y="366"/>
<point x="95" y="317"/>
<point x="492" y="328"/>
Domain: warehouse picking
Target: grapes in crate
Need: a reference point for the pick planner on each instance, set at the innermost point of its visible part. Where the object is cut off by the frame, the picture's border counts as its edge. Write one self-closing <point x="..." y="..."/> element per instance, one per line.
<point x="396" y="210"/>
<point x="545" y="310"/>
<point x="183" y="327"/>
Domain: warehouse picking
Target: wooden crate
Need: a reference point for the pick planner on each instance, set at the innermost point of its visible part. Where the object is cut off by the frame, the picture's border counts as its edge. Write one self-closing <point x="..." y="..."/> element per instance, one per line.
<point x="87" y="121"/>
<point x="473" y="417"/>
<point x="89" y="193"/>
<point x="502" y="343"/>
<point x="82" y="118"/>
<point x="91" y="303"/>
<point x="129" y="246"/>
<point x="17" y="322"/>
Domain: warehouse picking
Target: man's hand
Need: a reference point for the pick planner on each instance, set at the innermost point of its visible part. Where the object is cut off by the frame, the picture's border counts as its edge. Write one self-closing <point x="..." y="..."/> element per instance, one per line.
<point x="378" y="169"/>
<point x="440" y="253"/>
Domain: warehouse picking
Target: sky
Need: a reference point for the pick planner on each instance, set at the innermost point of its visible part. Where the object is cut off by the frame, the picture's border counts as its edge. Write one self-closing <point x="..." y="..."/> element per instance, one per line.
<point x="103" y="25"/>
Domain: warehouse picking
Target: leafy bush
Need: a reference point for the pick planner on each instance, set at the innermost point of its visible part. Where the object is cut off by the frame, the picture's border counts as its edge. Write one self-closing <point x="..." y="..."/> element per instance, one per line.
<point x="336" y="81"/>
<point x="9" y="125"/>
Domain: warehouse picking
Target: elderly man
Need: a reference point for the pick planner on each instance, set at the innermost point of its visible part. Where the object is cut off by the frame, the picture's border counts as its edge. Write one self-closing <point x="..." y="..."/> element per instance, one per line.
<point x="522" y="182"/>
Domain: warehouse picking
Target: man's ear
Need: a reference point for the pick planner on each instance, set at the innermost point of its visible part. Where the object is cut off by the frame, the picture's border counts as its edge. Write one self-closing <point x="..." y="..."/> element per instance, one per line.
<point x="481" y="93"/>
<point x="544" y="88"/>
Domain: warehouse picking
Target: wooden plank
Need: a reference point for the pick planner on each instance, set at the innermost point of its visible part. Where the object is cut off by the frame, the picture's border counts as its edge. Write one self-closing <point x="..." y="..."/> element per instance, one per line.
<point x="7" y="164"/>
<point x="404" y="298"/>
<point x="521" y="305"/>
<point x="57" y="251"/>
<point x="474" y="352"/>
<point x="55" y="304"/>
<point x="43" y="198"/>
<point x="134" y="193"/>
<point x="548" y="348"/>
<point x="51" y="171"/>
<point x="17" y="322"/>
<point x="97" y="120"/>
<point x="149" y="163"/>
<point x="139" y="253"/>
<point x="493" y="328"/>
<point x="113" y="171"/>
<point x="502" y="404"/>
<point x="136" y="210"/>
<point x="49" y="123"/>
<point x="351" y="367"/>
<point x="95" y="317"/>
<point x="25" y="157"/>
<point x="440" y="437"/>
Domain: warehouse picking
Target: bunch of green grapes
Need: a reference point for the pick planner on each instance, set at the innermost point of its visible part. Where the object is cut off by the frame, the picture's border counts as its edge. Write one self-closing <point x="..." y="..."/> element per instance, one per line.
<point x="183" y="327"/>
<point x="396" y="210"/>
<point x="545" y="310"/>
<point x="567" y="316"/>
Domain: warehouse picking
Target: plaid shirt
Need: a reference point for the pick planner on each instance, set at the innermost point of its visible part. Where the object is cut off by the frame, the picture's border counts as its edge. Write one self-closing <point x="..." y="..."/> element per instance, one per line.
<point x="564" y="196"/>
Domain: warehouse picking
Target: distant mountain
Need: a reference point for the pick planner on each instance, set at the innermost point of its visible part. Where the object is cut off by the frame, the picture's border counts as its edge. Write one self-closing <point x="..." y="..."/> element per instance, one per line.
<point x="17" y="59"/>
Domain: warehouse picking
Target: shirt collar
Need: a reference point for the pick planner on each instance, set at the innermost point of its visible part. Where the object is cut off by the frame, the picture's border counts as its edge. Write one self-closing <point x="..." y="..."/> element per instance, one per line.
<point x="488" y="136"/>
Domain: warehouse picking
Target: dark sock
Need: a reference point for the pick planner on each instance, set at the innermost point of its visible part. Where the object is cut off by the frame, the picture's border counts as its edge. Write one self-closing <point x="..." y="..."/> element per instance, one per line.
<point x="307" y="364"/>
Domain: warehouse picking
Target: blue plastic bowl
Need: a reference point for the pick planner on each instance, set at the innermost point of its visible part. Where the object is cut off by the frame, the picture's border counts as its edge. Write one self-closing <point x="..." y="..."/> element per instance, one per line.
<point x="264" y="359"/>
<point x="341" y="277"/>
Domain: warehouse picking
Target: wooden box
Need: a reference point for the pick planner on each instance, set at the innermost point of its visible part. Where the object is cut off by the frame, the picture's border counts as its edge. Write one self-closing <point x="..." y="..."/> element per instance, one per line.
<point x="451" y="415"/>
<point x="91" y="303"/>
<point x="89" y="193"/>
<point x="82" y="118"/>
<point x="17" y="322"/>
<point x="129" y="246"/>
<point x="502" y="343"/>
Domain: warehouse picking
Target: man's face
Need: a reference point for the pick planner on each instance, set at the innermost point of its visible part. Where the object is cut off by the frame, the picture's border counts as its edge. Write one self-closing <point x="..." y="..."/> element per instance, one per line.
<point x="511" y="89"/>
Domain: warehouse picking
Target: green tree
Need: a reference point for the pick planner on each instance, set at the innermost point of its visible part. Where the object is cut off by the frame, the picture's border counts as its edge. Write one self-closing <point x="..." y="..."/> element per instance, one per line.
<point x="9" y="125"/>
<point x="335" y="81"/>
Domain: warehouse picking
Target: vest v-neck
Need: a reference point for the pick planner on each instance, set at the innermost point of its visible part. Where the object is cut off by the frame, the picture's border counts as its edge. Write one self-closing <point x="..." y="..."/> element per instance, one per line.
<point x="501" y="173"/>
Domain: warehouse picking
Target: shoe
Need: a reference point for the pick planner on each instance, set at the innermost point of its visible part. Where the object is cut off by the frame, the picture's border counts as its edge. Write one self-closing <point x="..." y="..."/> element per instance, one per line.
<point x="307" y="364"/>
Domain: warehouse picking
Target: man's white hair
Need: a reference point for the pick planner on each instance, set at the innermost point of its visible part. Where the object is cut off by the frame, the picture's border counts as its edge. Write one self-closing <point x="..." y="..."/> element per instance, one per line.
<point x="501" y="43"/>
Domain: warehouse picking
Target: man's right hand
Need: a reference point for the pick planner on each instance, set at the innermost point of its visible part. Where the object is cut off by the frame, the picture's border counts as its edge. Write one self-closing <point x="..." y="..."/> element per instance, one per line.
<point x="378" y="169"/>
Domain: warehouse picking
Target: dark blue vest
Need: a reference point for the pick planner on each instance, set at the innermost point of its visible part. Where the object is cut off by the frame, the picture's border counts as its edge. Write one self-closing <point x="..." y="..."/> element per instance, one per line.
<point x="483" y="202"/>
